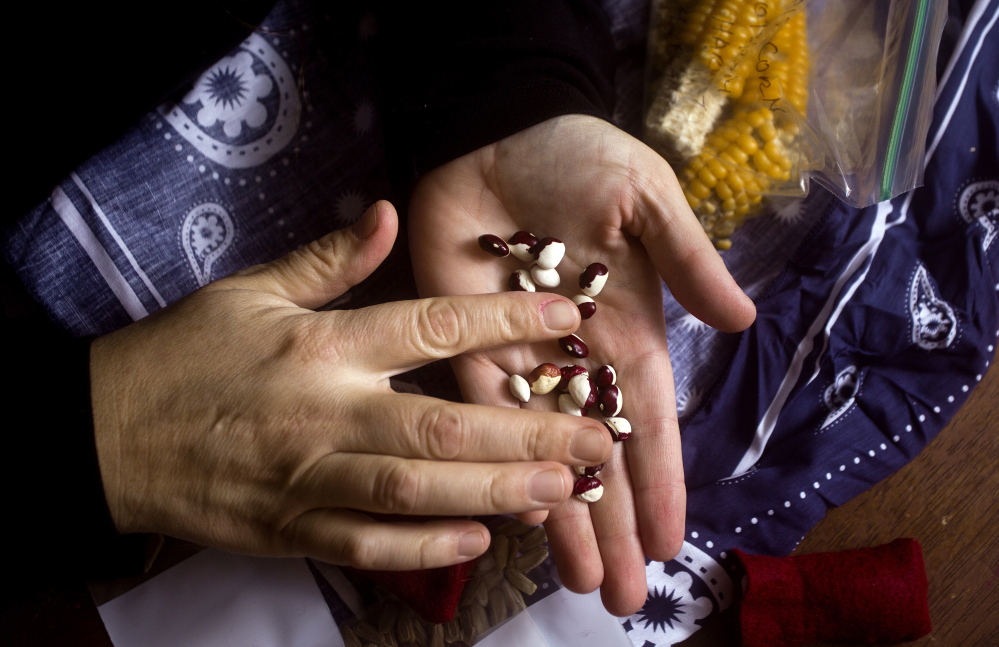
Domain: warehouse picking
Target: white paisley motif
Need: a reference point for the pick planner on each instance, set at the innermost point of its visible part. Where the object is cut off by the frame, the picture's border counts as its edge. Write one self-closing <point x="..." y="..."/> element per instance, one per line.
<point x="841" y="394"/>
<point x="979" y="202"/>
<point x="934" y="324"/>
<point x="239" y="93"/>
<point x="205" y="235"/>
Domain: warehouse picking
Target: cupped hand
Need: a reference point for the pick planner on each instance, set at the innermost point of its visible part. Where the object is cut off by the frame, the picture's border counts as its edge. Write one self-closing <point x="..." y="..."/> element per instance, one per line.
<point x="612" y="200"/>
<point x="241" y="419"/>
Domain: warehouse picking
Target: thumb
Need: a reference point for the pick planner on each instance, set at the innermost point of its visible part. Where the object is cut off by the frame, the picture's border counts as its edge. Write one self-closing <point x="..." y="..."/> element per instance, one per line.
<point x="684" y="256"/>
<point x="319" y="272"/>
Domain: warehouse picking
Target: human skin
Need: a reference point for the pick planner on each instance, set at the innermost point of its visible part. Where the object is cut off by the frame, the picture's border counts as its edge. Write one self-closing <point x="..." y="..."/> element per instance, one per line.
<point x="613" y="200"/>
<point x="241" y="418"/>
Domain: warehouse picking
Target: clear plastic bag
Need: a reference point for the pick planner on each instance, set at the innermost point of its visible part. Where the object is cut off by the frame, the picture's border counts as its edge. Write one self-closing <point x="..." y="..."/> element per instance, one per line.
<point x="748" y="99"/>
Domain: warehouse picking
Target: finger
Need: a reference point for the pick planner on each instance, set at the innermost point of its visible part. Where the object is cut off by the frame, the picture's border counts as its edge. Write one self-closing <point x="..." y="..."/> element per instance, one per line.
<point x="653" y="451"/>
<point x="428" y="428"/>
<point x="684" y="256"/>
<point x="615" y="524"/>
<point x="400" y="336"/>
<point x="350" y="538"/>
<point x="317" y="273"/>
<point x="574" y="546"/>
<point x="385" y="484"/>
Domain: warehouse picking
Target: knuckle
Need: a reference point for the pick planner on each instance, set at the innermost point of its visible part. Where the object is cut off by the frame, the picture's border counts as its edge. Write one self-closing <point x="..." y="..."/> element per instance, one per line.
<point x="320" y="256"/>
<point x="441" y="328"/>
<point x="536" y="442"/>
<point x="397" y="489"/>
<point x="305" y="340"/>
<point x="318" y="262"/>
<point x="358" y="551"/>
<point x="443" y="433"/>
<point x="496" y="493"/>
<point x="426" y="555"/>
<point x="519" y="319"/>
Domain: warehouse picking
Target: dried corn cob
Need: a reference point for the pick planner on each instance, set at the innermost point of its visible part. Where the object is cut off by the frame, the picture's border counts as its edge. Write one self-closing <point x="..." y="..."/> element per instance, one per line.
<point x="754" y="57"/>
<point x="750" y="152"/>
<point x="741" y="159"/>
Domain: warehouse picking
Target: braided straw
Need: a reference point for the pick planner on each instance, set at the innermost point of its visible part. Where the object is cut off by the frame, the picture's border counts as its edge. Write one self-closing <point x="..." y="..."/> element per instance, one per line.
<point x="495" y="591"/>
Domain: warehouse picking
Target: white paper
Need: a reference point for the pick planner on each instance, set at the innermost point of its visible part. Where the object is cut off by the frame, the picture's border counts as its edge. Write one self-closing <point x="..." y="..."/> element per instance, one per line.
<point x="518" y="630"/>
<point x="218" y="599"/>
<point x="563" y="619"/>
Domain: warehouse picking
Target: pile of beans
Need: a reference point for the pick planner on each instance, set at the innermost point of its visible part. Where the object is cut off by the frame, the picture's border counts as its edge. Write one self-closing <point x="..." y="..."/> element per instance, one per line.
<point x="578" y="390"/>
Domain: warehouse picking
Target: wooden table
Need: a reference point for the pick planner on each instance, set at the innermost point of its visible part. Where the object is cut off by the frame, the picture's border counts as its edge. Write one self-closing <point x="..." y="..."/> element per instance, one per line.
<point x="948" y="499"/>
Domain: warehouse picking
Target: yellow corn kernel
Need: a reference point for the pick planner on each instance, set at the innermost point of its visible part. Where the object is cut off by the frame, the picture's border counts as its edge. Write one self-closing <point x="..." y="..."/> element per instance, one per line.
<point x="729" y="53"/>
<point x="734" y="180"/>
<point x="763" y="164"/>
<point x="767" y="132"/>
<point x="734" y="84"/>
<point x="740" y="156"/>
<point x="692" y="200"/>
<point x="748" y="144"/>
<point x="723" y="190"/>
<point x="698" y="189"/>
<point x="728" y="160"/>
<point x="707" y="177"/>
<point x="773" y="150"/>
<point x="716" y="168"/>
<point x="729" y="132"/>
<point x="723" y="244"/>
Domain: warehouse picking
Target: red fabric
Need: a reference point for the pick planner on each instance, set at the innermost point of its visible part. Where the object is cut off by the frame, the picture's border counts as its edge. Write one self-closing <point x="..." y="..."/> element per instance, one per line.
<point x="433" y="594"/>
<point x="872" y="595"/>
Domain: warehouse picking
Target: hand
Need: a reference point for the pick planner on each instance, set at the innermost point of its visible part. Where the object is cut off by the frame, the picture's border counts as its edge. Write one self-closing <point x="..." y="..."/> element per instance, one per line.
<point x="613" y="200"/>
<point x="238" y="418"/>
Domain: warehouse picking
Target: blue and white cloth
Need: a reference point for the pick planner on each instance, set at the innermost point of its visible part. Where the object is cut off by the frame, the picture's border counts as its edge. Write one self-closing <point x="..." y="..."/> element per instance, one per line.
<point x="869" y="337"/>
<point x="874" y="324"/>
<point x="274" y="146"/>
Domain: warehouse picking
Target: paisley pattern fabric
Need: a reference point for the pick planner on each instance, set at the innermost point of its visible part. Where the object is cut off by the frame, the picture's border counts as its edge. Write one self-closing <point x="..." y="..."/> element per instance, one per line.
<point x="275" y="145"/>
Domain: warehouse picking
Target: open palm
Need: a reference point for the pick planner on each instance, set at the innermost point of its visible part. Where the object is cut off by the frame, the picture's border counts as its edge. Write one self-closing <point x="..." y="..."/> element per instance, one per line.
<point x="612" y="200"/>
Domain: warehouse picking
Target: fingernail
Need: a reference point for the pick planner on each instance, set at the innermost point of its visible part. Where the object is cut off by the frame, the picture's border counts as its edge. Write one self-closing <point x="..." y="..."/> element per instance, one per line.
<point x="546" y="487"/>
<point x="560" y="315"/>
<point x="364" y="227"/>
<point x="471" y="545"/>
<point x="589" y="445"/>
